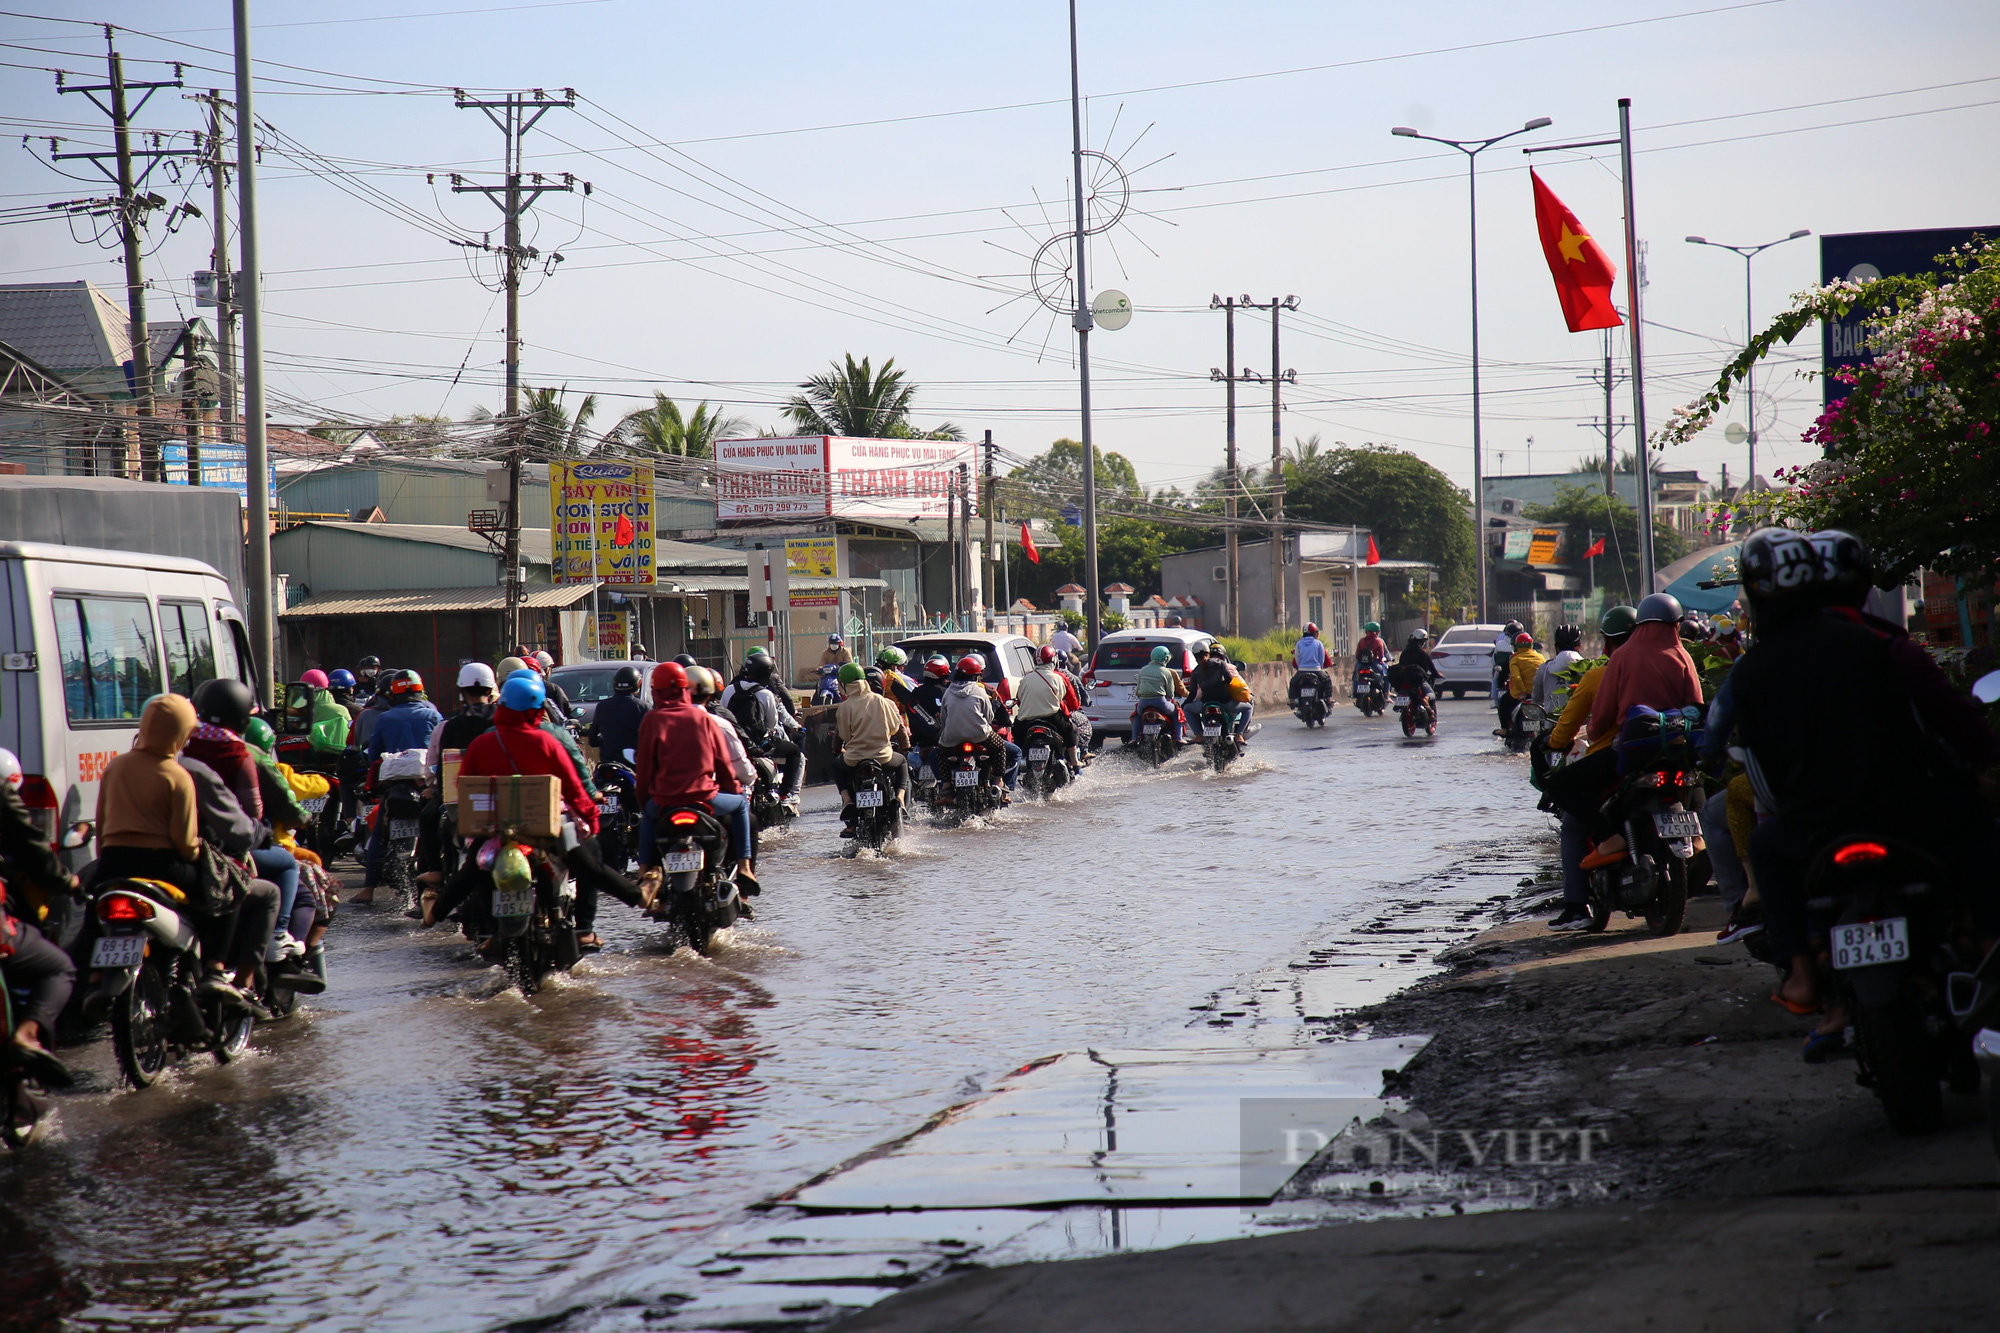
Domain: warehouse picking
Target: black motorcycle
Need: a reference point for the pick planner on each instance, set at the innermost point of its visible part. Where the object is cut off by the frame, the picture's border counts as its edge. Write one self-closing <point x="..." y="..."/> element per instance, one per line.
<point x="1219" y="743"/>
<point x="1312" y="698"/>
<point x="1044" y="759"/>
<point x="698" y="894"/>
<point x="147" y="960"/>
<point x="324" y="830"/>
<point x="618" y="807"/>
<point x="1153" y="736"/>
<point x="1658" y="804"/>
<point x="1418" y="711"/>
<point x="534" y="917"/>
<point x="969" y="783"/>
<point x="1371" y="689"/>
<point x="396" y="815"/>
<point x="768" y="807"/>
<point x="1531" y="722"/>
<point x="878" y="805"/>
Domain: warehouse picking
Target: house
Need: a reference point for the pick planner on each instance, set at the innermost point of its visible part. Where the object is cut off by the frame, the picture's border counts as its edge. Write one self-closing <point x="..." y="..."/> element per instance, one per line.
<point x="1328" y="581"/>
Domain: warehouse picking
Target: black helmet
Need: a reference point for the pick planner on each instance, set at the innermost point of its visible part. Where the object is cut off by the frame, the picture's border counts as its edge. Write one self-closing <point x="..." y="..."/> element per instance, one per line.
<point x="225" y="703"/>
<point x="1659" y="606"/>
<point x="1845" y="567"/>
<point x="1568" y="637"/>
<point x="686" y="660"/>
<point x="370" y="663"/>
<point x="1514" y="627"/>
<point x="625" y="680"/>
<point x="1780" y="571"/>
<point x="759" y="668"/>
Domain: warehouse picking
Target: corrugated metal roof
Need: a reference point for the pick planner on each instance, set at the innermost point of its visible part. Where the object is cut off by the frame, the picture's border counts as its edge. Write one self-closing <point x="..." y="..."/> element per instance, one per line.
<point x="672" y="584"/>
<point x="430" y="601"/>
<point x="534" y="541"/>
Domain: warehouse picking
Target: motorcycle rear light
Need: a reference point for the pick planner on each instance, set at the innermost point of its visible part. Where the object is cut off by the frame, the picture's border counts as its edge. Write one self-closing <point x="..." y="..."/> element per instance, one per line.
<point x="968" y="747"/>
<point x="1859" y="853"/>
<point x="123" y="907"/>
<point x="682" y="818"/>
<point x="38" y="793"/>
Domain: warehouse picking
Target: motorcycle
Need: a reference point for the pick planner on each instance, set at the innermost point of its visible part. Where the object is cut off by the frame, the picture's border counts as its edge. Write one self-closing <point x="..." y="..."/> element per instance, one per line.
<point x="969" y="783"/>
<point x="399" y="785"/>
<point x="1658" y="804"/>
<point x="1312" y="699"/>
<point x="1044" y="759"/>
<point x="1903" y="971"/>
<point x="1219" y="744"/>
<point x="878" y="806"/>
<point x="1530" y="723"/>
<point x="827" y="690"/>
<point x="768" y="808"/>
<point x="698" y="894"/>
<point x="618" y="806"/>
<point x="1418" y="712"/>
<point x="534" y="907"/>
<point x="1371" y="689"/>
<point x="322" y="832"/>
<point x="1153" y="735"/>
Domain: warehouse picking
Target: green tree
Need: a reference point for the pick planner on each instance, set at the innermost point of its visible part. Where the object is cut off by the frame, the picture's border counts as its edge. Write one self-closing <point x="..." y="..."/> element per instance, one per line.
<point x="552" y="431"/>
<point x="855" y="399"/>
<point x="1054" y="478"/>
<point x="662" y="428"/>
<point x="1414" y="510"/>
<point x="1588" y="514"/>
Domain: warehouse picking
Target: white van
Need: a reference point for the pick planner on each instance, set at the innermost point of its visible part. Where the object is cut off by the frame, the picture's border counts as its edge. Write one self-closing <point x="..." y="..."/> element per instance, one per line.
<point x="86" y="637"/>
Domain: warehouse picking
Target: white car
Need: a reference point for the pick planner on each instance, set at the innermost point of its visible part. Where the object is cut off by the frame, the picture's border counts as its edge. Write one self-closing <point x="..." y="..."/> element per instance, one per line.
<point x="1115" y="665"/>
<point x="1464" y="657"/>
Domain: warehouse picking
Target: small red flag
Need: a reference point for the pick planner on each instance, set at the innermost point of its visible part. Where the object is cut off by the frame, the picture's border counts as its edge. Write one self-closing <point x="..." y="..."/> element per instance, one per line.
<point x="624" y="534"/>
<point x="1374" y="556"/>
<point x="1596" y="548"/>
<point x="1584" y="274"/>
<point x="1028" y="545"/>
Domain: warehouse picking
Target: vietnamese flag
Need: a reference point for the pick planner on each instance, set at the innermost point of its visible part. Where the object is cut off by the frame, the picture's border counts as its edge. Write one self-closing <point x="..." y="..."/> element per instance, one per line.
<point x="1374" y="556"/>
<point x="1596" y="549"/>
<point x="1584" y="274"/>
<point x="623" y="533"/>
<point x="1028" y="545"/>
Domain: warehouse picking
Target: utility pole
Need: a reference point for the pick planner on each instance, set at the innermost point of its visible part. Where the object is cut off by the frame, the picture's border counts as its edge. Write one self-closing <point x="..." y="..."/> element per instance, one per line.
<point x="986" y="502"/>
<point x="131" y="208"/>
<point x="1642" y="464"/>
<point x="1279" y="378"/>
<point x="225" y="307"/>
<point x="951" y="545"/>
<point x="1083" y="323"/>
<point x="514" y="116"/>
<point x="1230" y="375"/>
<point x="965" y="533"/>
<point x="256" y="465"/>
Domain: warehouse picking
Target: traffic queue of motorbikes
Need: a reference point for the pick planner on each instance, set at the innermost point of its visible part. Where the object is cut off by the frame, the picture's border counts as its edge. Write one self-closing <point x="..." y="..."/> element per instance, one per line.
<point x="1829" y="776"/>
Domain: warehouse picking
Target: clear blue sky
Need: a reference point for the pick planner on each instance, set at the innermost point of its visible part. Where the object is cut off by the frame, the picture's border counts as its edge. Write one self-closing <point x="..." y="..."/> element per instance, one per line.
<point x="703" y="268"/>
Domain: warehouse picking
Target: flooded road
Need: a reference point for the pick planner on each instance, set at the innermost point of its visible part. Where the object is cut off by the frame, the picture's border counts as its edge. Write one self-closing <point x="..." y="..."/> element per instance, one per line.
<point x="421" y="1150"/>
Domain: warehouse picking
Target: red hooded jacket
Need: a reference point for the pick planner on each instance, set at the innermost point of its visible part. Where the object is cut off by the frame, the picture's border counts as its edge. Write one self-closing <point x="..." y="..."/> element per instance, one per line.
<point x="516" y="744"/>
<point x="682" y="759"/>
<point x="1651" y="669"/>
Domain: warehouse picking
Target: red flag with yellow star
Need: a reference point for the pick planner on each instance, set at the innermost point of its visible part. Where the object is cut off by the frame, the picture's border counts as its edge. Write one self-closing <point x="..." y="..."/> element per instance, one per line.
<point x="1584" y="274"/>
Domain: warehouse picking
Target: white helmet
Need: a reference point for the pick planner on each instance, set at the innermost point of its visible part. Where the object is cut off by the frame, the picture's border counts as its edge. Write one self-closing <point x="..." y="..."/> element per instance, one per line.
<point x="475" y="676"/>
<point x="10" y="769"/>
<point x="545" y="660"/>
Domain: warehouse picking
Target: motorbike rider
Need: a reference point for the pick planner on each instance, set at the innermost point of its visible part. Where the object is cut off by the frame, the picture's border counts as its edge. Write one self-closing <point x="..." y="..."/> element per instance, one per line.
<point x="868" y="727"/>
<point x="1371" y="645"/>
<point x="1728" y="640"/>
<point x="1521" y="669"/>
<point x="1414" y="672"/>
<point x="926" y="713"/>
<point x="27" y="957"/>
<point x="329" y="721"/>
<point x="614" y="727"/>
<point x="1503" y="649"/>
<point x="684" y="761"/>
<point x="306" y="914"/>
<point x="1616" y="627"/>
<point x="890" y="662"/>
<point x="1548" y="677"/>
<point x="367" y="679"/>
<point x="1214" y="681"/>
<point x="970" y="715"/>
<point x="758" y="668"/>
<point x="477" y="692"/>
<point x="405" y="719"/>
<point x="1309" y="654"/>
<point x="1046" y="695"/>
<point x="763" y="713"/>
<point x="835" y="654"/>
<point x="1158" y="688"/>
<point x="704" y="689"/>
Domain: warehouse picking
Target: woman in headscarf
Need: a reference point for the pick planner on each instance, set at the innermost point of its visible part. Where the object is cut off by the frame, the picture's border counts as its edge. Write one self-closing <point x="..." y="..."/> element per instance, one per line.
<point x="1651" y="669"/>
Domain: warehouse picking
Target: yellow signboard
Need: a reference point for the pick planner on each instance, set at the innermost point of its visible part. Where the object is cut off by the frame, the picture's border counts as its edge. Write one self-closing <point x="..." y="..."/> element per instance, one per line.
<point x="813" y="557"/>
<point x="603" y="509"/>
<point x="1542" y="546"/>
<point x="613" y="637"/>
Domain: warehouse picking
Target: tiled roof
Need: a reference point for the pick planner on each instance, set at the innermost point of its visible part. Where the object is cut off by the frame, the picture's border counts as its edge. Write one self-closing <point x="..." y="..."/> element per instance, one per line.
<point x="66" y="326"/>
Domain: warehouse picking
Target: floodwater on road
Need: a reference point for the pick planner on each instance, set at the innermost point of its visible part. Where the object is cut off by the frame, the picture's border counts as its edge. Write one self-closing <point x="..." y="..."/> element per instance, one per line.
<point x="421" y="1150"/>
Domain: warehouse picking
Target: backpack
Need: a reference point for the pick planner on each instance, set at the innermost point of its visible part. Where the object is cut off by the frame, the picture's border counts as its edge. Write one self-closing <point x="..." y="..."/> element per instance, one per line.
<point x="743" y="707"/>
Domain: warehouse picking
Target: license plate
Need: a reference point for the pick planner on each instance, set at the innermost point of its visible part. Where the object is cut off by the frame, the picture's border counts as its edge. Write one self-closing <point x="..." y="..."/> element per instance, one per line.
<point x="118" y="951"/>
<point x="1211" y="731"/>
<point x="1039" y="754"/>
<point x="680" y="863"/>
<point x="965" y="777"/>
<point x="1152" y="729"/>
<point x="312" y="805"/>
<point x="868" y="799"/>
<point x="608" y="801"/>
<point x="1867" y="943"/>
<point x="516" y="902"/>
<point x="1402" y="701"/>
<point x="924" y="774"/>
<point x="400" y="829"/>
<point x="1677" y="824"/>
<point x="1308" y="694"/>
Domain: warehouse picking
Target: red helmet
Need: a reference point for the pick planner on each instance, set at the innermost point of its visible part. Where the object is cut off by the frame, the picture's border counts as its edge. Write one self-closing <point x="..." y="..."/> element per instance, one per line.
<point x="406" y="682"/>
<point x="1047" y="654"/>
<point x="972" y="664"/>
<point x="1312" y="630"/>
<point x="670" y="681"/>
<point x="938" y="667"/>
<point x="1523" y="640"/>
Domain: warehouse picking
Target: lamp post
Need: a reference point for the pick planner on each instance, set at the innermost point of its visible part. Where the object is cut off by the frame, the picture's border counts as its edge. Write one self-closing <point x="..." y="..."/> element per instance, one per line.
<point x="1749" y="252"/>
<point x="1472" y="148"/>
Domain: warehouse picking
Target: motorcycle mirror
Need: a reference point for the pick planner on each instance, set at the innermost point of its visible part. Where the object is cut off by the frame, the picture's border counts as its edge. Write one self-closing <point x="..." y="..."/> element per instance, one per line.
<point x="631" y="756"/>
<point x="78" y="835"/>
<point x="1987" y="688"/>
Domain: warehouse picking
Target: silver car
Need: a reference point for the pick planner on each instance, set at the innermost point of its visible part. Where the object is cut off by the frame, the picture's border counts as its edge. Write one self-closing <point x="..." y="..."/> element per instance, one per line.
<point x="1115" y="665"/>
<point x="1464" y="657"/>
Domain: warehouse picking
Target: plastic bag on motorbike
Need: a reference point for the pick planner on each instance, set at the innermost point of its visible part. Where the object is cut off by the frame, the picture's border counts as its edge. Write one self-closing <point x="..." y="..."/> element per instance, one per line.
<point x="402" y="766"/>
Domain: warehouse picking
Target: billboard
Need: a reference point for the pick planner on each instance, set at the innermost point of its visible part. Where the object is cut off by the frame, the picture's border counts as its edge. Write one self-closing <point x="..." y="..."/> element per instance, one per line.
<point x="606" y="509"/>
<point x="815" y="558"/>
<point x="832" y="476"/>
<point x="222" y="467"/>
<point x="1865" y="256"/>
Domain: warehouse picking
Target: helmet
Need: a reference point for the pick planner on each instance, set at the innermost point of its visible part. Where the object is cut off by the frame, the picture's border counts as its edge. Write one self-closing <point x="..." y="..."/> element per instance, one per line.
<point x="753" y="653"/>
<point x="625" y="680"/>
<point x="1046" y="654"/>
<point x="702" y="683"/>
<point x="850" y="672"/>
<point x="1312" y="630"/>
<point x="225" y="703"/>
<point x="1218" y="652"/>
<point x="1514" y="627"/>
<point x="1568" y="637"/>
<point x="475" y="676"/>
<point x="670" y="681"/>
<point x="759" y="667"/>
<point x="1524" y="640"/>
<point x="10" y="770"/>
<point x="938" y="667"/>
<point x="370" y="665"/>
<point x="835" y="640"/>
<point x="524" y="692"/>
<point x="1844" y="566"/>
<point x="972" y="664"/>
<point x="314" y="679"/>
<point x="406" y="681"/>
<point x="1618" y="622"/>
<point x="873" y="675"/>
<point x="544" y="661"/>
<point x="507" y="666"/>
<point x="259" y="734"/>
<point x="1371" y="627"/>
<point x="892" y="656"/>
<point x="687" y="660"/>
<point x="1780" y="568"/>
<point x="1160" y="653"/>
<point x="1420" y="636"/>
<point x="342" y="679"/>
<point x="1724" y="625"/>
<point x="1658" y="607"/>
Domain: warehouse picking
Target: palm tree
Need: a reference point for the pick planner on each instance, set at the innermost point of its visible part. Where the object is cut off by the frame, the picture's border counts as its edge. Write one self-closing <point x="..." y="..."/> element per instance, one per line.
<point x="662" y="429"/>
<point x="855" y="399"/>
<point x="1304" y="461"/>
<point x="552" y="431"/>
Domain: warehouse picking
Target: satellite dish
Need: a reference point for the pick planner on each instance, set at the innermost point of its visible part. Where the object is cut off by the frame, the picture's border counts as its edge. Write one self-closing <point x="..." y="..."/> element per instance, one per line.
<point x="1112" y="309"/>
<point x="1734" y="432"/>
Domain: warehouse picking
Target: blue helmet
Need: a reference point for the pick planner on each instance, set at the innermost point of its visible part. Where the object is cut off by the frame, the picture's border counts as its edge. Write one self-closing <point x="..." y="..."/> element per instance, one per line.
<point x="523" y="692"/>
<point x="343" y="679"/>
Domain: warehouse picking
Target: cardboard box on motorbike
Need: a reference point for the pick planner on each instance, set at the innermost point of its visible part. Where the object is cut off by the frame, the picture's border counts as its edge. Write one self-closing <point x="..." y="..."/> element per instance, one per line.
<point x="530" y="804"/>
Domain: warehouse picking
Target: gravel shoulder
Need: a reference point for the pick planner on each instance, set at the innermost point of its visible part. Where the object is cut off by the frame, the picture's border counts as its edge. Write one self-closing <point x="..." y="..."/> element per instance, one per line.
<point x="1608" y="1131"/>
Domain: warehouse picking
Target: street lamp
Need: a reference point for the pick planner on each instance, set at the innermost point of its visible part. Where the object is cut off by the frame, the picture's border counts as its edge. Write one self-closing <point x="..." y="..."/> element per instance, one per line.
<point x="1749" y="252"/>
<point x="1472" y="148"/>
